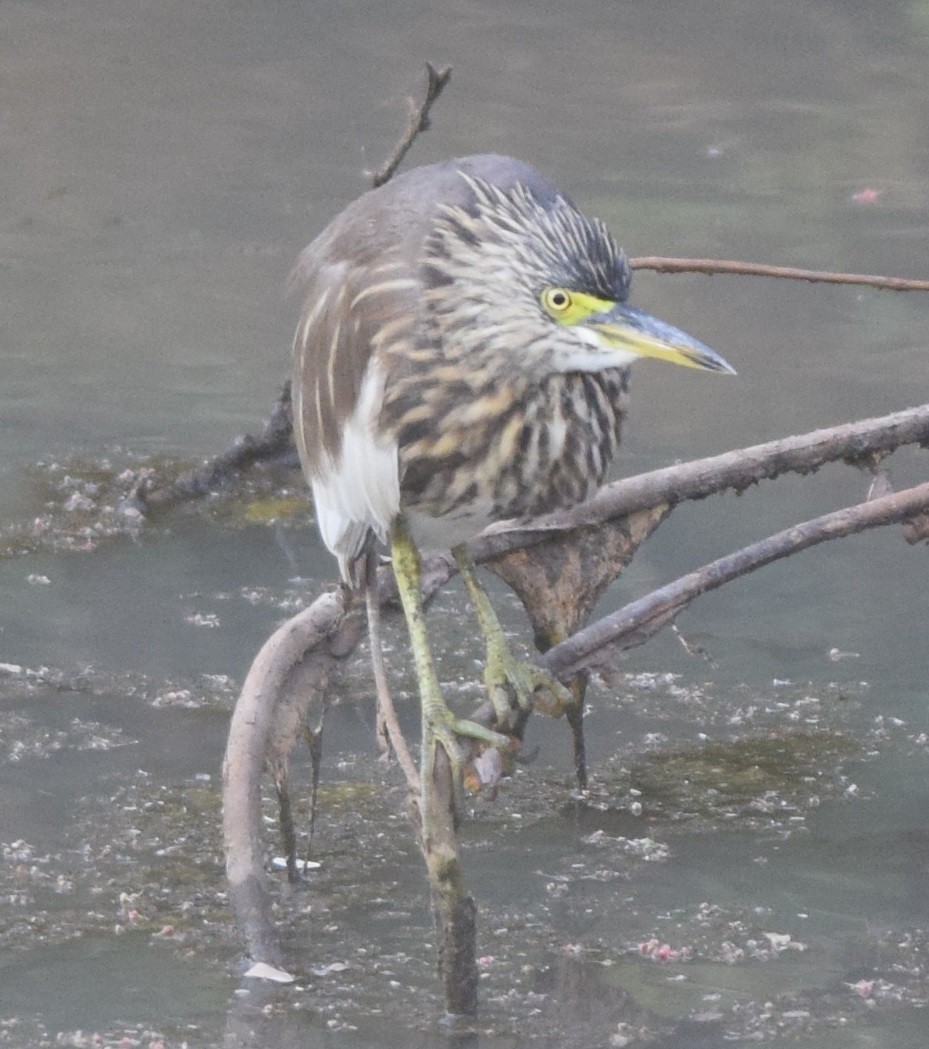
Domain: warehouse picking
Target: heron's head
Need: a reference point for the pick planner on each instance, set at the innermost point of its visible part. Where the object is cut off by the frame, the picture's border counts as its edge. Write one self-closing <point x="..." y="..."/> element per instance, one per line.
<point x="520" y="270"/>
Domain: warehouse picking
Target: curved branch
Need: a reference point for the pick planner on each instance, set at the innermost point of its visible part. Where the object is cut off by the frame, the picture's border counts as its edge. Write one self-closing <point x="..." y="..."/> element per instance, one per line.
<point x="247" y="746"/>
<point x="661" y="264"/>
<point x="640" y="620"/>
<point x="265" y="721"/>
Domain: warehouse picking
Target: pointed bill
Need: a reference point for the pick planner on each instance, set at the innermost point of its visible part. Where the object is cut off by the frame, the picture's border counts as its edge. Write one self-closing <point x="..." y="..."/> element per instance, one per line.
<point x="626" y="328"/>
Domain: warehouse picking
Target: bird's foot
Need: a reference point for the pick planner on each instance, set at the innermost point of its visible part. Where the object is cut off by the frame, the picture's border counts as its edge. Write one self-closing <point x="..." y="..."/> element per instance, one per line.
<point x="506" y="676"/>
<point x="441" y="727"/>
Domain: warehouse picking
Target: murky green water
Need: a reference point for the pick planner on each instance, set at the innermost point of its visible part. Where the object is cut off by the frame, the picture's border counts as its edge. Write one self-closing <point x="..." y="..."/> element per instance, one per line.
<point x="164" y="163"/>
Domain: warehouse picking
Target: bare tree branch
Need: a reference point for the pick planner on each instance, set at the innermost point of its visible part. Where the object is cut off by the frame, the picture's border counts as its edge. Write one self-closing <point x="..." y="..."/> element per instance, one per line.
<point x="314" y="639"/>
<point x="862" y="443"/>
<point x="661" y="264"/>
<point x="294" y="667"/>
<point x="436" y="79"/>
<point x="275" y="441"/>
<point x="640" y="620"/>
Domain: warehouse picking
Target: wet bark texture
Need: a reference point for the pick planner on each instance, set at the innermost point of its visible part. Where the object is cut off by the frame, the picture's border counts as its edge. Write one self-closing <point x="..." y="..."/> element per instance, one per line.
<point x="285" y="687"/>
<point x="456" y="914"/>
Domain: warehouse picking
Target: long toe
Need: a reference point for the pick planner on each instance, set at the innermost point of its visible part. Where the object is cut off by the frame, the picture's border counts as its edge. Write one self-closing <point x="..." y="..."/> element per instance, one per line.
<point x="506" y="675"/>
<point x="442" y="727"/>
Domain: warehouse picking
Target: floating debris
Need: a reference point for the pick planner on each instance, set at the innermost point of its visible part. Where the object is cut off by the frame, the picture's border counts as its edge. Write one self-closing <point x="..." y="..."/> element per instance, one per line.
<point x="280" y="863"/>
<point x="263" y="971"/>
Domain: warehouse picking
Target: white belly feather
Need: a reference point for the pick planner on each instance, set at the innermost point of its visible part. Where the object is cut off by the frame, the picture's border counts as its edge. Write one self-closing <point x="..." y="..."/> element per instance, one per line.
<point x="361" y="489"/>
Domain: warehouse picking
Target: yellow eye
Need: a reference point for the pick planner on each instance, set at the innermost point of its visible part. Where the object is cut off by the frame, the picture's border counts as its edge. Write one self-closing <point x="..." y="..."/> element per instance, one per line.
<point x="556" y="300"/>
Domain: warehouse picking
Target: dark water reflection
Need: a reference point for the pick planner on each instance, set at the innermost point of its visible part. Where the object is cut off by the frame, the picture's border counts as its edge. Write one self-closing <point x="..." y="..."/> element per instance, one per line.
<point x="163" y="165"/>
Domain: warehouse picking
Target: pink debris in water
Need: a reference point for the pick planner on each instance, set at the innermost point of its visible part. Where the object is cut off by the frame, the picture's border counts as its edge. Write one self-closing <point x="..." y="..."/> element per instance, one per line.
<point x="867" y="196"/>
<point x="864" y="988"/>
<point x="660" y="952"/>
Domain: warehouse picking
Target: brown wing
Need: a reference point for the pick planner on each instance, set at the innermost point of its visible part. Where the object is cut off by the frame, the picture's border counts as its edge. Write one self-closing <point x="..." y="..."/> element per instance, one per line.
<point x="352" y="310"/>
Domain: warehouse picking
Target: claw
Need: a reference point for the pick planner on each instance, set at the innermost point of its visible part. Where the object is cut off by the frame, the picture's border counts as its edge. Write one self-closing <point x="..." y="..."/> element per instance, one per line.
<point x="505" y="675"/>
<point x="444" y="728"/>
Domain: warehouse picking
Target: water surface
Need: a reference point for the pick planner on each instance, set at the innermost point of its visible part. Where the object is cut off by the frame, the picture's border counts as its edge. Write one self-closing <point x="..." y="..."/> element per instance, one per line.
<point x="165" y="162"/>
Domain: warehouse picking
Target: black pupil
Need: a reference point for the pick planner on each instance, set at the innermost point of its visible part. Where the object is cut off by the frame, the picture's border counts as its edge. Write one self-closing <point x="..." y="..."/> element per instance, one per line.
<point x="559" y="299"/>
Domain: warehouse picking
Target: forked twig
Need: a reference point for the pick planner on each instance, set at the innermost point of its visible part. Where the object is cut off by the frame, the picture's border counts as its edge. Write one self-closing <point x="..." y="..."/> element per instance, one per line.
<point x="419" y="122"/>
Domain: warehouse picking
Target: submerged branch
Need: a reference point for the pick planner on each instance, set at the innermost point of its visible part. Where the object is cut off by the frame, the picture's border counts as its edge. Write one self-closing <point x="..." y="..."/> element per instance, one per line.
<point x="276" y="441"/>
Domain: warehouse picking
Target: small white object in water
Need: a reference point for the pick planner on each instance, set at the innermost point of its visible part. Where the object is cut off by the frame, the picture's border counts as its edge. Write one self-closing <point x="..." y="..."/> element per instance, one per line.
<point x="302" y="865"/>
<point x="836" y="654"/>
<point x="328" y="970"/>
<point x="263" y="971"/>
<point x="76" y="502"/>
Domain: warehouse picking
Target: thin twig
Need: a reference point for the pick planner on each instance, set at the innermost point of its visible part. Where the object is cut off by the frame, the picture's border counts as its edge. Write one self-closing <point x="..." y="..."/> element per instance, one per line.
<point x="389" y="732"/>
<point x="419" y="122"/>
<point x="759" y="269"/>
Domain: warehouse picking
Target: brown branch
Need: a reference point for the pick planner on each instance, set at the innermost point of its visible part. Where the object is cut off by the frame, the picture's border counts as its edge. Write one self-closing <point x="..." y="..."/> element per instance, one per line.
<point x="419" y="122"/>
<point x="640" y="620"/>
<point x="314" y="639"/>
<point x="389" y="733"/>
<point x="275" y="441"/>
<point x="862" y="443"/>
<point x="759" y="269"/>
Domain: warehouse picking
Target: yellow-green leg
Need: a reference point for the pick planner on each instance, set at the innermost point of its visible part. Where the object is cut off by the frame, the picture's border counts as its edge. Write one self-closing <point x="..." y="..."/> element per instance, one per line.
<point x="503" y="671"/>
<point x="440" y="726"/>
